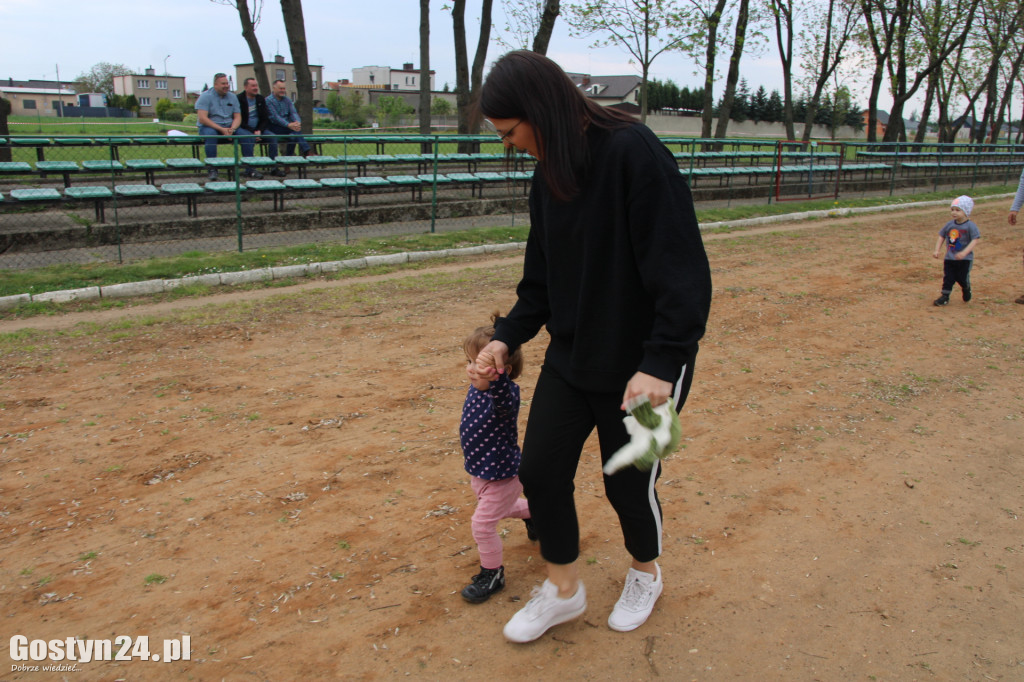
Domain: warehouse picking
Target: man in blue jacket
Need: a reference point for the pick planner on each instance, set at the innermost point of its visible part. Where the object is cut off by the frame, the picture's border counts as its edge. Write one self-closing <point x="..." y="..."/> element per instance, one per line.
<point x="284" y="120"/>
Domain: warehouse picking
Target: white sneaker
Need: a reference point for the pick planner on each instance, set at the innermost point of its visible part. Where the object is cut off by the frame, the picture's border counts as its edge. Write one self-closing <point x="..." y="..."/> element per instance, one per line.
<point x="637" y="600"/>
<point x="545" y="610"/>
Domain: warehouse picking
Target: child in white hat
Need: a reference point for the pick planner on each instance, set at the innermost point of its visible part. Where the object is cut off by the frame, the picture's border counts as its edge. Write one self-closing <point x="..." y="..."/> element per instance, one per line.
<point x="960" y="235"/>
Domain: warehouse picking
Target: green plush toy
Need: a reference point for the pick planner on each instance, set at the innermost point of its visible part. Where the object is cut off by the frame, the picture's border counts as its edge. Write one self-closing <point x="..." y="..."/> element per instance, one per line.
<point x="654" y="434"/>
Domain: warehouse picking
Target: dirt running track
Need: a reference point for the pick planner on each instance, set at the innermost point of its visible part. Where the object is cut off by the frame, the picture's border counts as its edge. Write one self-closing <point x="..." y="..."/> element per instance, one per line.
<point x="277" y="475"/>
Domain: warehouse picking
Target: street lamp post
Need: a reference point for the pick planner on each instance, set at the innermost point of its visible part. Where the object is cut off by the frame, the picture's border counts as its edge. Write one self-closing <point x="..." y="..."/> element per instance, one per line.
<point x="165" y="64"/>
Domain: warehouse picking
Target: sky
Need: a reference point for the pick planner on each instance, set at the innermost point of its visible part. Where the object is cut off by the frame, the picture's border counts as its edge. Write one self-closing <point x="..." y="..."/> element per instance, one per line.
<point x="197" y="38"/>
<point x="201" y="37"/>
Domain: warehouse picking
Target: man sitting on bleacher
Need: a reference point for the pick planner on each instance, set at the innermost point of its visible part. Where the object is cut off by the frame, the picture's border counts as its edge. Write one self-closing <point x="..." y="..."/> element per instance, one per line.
<point x="220" y="115"/>
<point x="253" y="107"/>
<point x="284" y="120"/>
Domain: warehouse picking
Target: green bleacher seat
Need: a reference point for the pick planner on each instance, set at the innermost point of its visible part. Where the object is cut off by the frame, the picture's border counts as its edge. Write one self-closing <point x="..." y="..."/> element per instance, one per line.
<point x="264" y="185"/>
<point x="147" y="166"/>
<point x="342" y="183"/>
<point x="292" y="160"/>
<point x="184" y="164"/>
<point x="73" y="141"/>
<point x="93" y="165"/>
<point x="224" y="187"/>
<point x="258" y="161"/>
<point x="15" y="167"/>
<point x="57" y="166"/>
<point x="430" y="178"/>
<point x="220" y="161"/>
<point x="150" y="139"/>
<point x="372" y="182"/>
<point x="322" y="160"/>
<point x="35" y="194"/>
<point x="301" y="183"/>
<point x="144" y="164"/>
<point x="189" y="190"/>
<point x="31" y="141"/>
<point x="96" y="194"/>
<point x="488" y="176"/>
<point x="88" y="192"/>
<point x="136" y="190"/>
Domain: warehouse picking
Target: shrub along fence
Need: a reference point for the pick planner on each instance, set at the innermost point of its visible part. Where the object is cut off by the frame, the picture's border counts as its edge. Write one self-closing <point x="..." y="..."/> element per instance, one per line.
<point x="74" y="199"/>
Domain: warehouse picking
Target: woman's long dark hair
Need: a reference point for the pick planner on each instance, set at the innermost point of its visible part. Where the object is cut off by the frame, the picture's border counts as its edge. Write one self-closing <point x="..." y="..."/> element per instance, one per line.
<point x="531" y="87"/>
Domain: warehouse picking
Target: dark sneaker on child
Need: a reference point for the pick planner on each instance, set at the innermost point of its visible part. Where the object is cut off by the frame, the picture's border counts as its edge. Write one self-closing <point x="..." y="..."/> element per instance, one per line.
<point x="637" y="601"/>
<point x="254" y="174"/>
<point x="531" y="530"/>
<point x="212" y="176"/>
<point x="544" y="611"/>
<point x="1020" y="300"/>
<point x="942" y="300"/>
<point x="485" y="583"/>
<point x="967" y="294"/>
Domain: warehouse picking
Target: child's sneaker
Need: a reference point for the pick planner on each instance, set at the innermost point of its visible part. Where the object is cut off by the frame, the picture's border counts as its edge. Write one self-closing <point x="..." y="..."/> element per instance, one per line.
<point x="544" y="611"/>
<point x="531" y="530"/>
<point x="637" y="601"/>
<point x="485" y="583"/>
<point x="942" y="300"/>
<point x="967" y="294"/>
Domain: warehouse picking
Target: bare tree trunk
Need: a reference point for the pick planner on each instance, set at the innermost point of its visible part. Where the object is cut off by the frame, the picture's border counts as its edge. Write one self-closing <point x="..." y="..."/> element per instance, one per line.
<point x="783" y="10"/>
<point x="295" y="27"/>
<point x="733" y="75"/>
<point x="467" y="84"/>
<point x="425" y="72"/>
<point x="552" y="8"/>
<point x="249" y="20"/>
<point x="709" y="69"/>
<point x="929" y="97"/>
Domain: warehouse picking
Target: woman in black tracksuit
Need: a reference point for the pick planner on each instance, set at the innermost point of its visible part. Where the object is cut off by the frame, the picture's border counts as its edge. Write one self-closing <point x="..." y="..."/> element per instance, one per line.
<point x="616" y="270"/>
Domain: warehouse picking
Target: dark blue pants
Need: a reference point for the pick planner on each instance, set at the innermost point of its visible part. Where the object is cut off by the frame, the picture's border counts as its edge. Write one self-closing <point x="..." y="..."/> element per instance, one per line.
<point x="956" y="272"/>
<point x="246" y="139"/>
<point x="288" y="138"/>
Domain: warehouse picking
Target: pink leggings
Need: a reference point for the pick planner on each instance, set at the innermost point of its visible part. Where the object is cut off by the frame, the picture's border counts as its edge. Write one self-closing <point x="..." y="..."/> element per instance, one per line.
<point x="495" y="500"/>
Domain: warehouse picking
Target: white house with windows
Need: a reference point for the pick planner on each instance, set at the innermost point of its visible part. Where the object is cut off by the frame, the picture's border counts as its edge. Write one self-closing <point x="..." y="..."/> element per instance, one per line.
<point x="386" y="78"/>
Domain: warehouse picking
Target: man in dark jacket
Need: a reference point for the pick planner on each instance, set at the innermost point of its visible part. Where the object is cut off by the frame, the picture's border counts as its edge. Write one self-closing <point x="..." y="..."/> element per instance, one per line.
<point x="254" y="117"/>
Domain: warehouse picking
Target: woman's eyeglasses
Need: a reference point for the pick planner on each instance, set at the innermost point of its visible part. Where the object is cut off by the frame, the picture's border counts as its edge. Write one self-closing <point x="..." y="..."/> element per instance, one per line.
<point x="497" y="132"/>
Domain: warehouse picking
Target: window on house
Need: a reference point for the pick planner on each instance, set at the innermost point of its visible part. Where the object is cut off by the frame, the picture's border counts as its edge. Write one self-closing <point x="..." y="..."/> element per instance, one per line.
<point x="279" y="75"/>
<point x="142" y="83"/>
<point x="143" y="101"/>
<point x="56" y="105"/>
<point x="314" y="84"/>
<point x="161" y="85"/>
<point x="28" y="104"/>
<point x="295" y="75"/>
<point x="177" y="94"/>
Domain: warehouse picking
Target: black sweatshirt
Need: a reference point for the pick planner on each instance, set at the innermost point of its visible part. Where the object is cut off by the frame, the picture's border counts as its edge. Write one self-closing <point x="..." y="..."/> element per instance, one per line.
<point x="619" y="274"/>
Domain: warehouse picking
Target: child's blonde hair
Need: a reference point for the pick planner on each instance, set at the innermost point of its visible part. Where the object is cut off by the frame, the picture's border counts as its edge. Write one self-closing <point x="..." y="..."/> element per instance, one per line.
<point x="481" y="336"/>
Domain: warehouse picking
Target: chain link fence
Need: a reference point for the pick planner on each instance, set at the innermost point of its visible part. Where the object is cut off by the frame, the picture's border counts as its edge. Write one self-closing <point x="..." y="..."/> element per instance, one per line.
<point x="70" y="199"/>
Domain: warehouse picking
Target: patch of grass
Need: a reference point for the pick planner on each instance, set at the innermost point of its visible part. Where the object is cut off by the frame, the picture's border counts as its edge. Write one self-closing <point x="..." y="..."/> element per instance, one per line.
<point x="154" y="579"/>
<point x="88" y="556"/>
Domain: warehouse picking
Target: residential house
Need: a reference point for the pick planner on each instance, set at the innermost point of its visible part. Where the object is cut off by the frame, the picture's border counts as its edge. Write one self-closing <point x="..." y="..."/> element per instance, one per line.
<point x="149" y="88"/>
<point x="620" y="92"/>
<point x="386" y="78"/>
<point x="280" y="70"/>
<point x="37" y="97"/>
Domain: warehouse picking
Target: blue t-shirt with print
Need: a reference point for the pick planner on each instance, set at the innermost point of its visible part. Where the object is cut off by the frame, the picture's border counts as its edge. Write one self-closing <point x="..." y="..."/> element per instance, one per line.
<point x="489" y="430"/>
<point x="958" y="236"/>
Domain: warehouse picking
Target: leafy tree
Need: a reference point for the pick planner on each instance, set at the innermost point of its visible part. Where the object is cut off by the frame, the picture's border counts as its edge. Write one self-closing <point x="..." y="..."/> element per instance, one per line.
<point x="163" y="105"/>
<point x="391" y="109"/>
<point x="529" y="23"/>
<point x="131" y="104"/>
<point x="441" y="107"/>
<point x="100" y="78"/>
<point x="758" y="109"/>
<point x="469" y="79"/>
<point x="643" y="28"/>
<point x="348" y="109"/>
<point x="774" y="112"/>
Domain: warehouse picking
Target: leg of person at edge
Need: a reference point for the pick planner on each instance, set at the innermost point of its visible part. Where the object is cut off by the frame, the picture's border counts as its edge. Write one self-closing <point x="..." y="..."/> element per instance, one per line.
<point x="284" y="123"/>
<point x="616" y="271"/>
